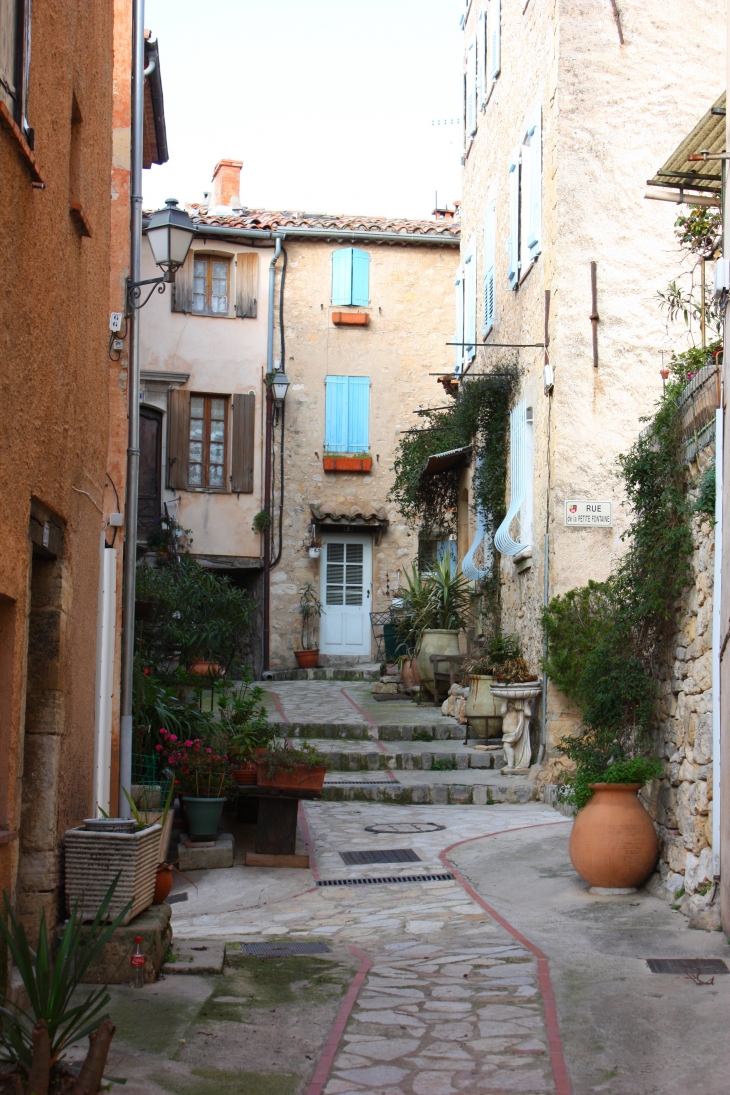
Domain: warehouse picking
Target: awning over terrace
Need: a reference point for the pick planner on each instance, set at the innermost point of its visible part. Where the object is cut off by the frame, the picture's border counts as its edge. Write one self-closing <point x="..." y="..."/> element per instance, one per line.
<point x="695" y="182"/>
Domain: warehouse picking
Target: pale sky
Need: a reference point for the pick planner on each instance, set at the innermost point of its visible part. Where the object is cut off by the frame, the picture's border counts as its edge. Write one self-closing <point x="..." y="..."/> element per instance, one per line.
<point x="329" y="103"/>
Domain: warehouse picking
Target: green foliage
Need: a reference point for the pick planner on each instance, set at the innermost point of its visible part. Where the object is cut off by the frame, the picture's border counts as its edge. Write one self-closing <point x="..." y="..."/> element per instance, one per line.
<point x="51" y="983"/>
<point x="167" y="537"/>
<point x="605" y="639"/>
<point x="683" y="366"/>
<point x="243" y="717"/>
<point x="261" y="521"/>
<point x="438" y="599"/>
<point x="699" y="232"/>
<point x="501" y="658"/>
<point x="422" y="735"/>
<point x="445" y="764"/>
<point x="705" y="501"/>
<point x="637" y="770"/>
<point x="285" y="758"/>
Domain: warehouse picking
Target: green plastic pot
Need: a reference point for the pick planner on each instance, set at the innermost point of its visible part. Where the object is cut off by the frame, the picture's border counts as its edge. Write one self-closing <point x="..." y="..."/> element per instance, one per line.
<point x="203" y="815"/>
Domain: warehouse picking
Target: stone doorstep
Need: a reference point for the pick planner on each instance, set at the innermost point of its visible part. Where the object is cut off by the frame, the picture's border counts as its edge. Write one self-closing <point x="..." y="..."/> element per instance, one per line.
<point x="112" y="966"/>
<point x="327" y="673"/>
<point x="439" y="794"/>
<point x="205" y="858"/>
<point x="196" y="956"/>
<point x="422" y="759"/>
<point x="358" y="731"/>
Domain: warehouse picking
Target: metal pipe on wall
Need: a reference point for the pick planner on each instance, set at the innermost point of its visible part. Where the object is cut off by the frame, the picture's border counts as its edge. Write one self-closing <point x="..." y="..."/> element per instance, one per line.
<point x="130" y="514"/>
<point x="266" y="598"/>
<point x="546" y="555"/>
<point x="106" y="634"/>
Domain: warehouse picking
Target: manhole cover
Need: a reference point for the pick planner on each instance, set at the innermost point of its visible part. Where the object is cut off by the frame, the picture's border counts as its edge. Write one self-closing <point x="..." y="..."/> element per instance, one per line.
<point x="395" y="855"/>
<point x="283" y="950"/>
<point x="687" y="965"/>
<point x="406" y="827"/>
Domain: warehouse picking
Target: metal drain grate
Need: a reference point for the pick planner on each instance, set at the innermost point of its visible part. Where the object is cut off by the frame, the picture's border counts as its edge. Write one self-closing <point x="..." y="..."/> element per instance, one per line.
<point x="283" y="950"/>
<point x="393" y="855"/>
<point x="173" y="898"/>
<point x="687" y="965"/>
<point x="406" y="827"/>
<point x="360" y="782"/>
<point x="379" y="881"/>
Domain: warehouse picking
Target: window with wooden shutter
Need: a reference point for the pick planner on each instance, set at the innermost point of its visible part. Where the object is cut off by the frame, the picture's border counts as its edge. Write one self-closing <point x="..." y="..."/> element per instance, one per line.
<point x="242" y="455"/>
<point x="209" y="294"/>
<point x="182" y="288"/>
<point x="360" y="278"/>
<point x="247" y="285"/>
<point x="347" y="414"/>
<point x="351" y="277"/>
<point x="15" y="61"/>
<point x="207" y="442"/>
<point x="489" y="260"/>
<point x="178" y="428"/>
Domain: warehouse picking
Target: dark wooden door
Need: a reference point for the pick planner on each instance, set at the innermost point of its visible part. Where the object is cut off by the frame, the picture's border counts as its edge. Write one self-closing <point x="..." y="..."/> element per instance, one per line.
<point x="150" y="469"/>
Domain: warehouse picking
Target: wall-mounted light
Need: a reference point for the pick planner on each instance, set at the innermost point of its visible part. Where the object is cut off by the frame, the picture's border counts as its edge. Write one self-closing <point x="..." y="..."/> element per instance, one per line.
<point x="169" y="233"/>
<point x="279" y="386"/>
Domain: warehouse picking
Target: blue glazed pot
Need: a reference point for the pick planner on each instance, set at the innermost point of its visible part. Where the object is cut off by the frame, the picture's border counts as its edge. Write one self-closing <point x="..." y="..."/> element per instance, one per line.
<point x="203" y="815"/>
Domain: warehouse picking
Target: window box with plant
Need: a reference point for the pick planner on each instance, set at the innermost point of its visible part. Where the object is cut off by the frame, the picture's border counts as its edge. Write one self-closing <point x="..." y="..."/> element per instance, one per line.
<point x="284" y="766"/>
<point x="361" y="462"/>
<point x="310" y="610"/>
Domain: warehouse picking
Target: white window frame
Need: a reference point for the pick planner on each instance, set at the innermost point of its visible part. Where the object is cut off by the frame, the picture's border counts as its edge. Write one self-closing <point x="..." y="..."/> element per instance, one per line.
<point x="470" y="301"/>
<point x="470" y="91"/>
<point x="494" y="43"/>
<point x="489" y="262"/>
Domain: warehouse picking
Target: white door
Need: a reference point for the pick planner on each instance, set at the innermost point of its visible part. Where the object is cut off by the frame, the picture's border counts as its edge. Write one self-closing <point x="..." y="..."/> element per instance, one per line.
<point x="345" y="578"/>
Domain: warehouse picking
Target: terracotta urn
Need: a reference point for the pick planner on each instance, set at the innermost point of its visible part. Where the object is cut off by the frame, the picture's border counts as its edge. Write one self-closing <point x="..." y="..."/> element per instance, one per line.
<point x="613" y="844"/>
<point x="307" y="659"/>
<point x="163" y="883"/>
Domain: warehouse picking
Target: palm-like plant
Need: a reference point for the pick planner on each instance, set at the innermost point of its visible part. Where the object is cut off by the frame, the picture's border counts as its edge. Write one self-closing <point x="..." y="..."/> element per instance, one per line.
<point x="439" y="598"/>
<point x="34" y="1040"/>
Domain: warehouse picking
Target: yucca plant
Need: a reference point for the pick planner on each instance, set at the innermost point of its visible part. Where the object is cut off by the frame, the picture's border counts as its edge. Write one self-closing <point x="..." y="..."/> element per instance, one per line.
<point x="34" y="1040"/>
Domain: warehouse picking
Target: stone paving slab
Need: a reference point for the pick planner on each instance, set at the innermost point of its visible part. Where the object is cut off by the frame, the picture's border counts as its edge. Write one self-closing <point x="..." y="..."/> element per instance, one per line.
<point x="353" y="756"/>
<point x="306" y="703"/>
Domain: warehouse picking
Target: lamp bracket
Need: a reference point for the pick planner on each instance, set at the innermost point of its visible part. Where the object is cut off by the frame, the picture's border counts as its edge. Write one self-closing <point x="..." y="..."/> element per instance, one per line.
<point x="134" y="292"/>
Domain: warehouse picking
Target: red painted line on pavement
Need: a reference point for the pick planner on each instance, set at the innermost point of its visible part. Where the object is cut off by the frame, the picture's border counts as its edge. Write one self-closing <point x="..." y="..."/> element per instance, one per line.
<point x="279" y="708"/>
<point x="358" y="708"/>
<point x="555" y="1044"/>
<point x="326" y="1061"/>
<point x="302" y="818"/>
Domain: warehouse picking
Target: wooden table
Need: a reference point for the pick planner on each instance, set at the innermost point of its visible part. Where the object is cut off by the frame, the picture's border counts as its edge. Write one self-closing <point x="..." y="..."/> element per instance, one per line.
<point x="276" y="826"/>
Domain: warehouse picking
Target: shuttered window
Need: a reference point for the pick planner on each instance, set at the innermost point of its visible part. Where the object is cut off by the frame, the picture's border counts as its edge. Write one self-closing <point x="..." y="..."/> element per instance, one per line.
<point x="178" y="429"/>
<point x="489" y="259"/>
<point x="347" y="414"/>
<point x="207" y="436"/>
<point x="15" y="60"/>
<point x="494" y="40"/>
<point x="534" y="152"/>
<point x="470" y="303"/>
<point x="211" y="277"/>
<point x="459" y="325"/>
<point x="351" y="277"/>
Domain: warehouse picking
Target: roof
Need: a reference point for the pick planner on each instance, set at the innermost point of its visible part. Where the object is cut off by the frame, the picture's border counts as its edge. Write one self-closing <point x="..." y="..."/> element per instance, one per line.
<point x="272" y="221"/>
<point x="336" y="514"/>
<point x="707" y="136"/>
<point x="442" y="461"/>
<point x="154" y="139"/>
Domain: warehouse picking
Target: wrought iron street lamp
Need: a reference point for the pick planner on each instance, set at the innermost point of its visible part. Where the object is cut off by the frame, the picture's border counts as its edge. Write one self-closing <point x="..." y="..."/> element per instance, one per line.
<point x="280" y="384"/>
<point x="169" y="234"/>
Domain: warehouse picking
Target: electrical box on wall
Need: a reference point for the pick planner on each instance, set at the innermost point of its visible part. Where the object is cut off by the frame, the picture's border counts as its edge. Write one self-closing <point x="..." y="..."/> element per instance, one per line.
<point x="115" y="322"/>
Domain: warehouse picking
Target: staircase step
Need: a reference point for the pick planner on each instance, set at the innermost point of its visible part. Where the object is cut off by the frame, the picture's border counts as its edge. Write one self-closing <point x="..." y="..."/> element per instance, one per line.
<point x="359" y="730"/>
<point x="511" y="790"/>
<point x="326" y="673"/>
<point x="423" y="760"/>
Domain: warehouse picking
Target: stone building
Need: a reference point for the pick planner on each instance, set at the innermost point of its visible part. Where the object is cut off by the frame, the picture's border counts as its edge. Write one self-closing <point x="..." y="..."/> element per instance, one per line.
<point x="568" y="110"/>
<point x="358" y="310"/>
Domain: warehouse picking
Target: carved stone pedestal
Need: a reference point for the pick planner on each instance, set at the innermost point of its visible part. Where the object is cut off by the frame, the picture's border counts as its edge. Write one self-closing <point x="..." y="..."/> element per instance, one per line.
<point x="516" y="710"/>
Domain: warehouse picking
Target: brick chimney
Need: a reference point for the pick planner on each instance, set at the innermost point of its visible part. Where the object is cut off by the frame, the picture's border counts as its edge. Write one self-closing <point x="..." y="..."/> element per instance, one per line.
<point x="227" y="184"/>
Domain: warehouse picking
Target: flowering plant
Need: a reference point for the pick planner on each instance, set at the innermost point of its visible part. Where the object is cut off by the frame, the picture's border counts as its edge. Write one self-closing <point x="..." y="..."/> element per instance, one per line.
<point x="199" y="769"/>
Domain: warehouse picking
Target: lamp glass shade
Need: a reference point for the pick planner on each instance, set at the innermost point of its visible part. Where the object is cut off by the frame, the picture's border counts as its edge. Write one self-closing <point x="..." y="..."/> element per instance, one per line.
<point x="280" y="383"/>
<point x="170" y="234"/>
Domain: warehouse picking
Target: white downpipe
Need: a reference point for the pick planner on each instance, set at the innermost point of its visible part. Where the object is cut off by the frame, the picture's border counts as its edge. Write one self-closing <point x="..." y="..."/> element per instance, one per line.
<point x="105" y="640"/>
<point x="716" y="643"/>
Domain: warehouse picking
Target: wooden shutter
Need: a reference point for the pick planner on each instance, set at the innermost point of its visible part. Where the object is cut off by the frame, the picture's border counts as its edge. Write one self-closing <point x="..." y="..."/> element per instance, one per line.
<point x="534" y="231"/>
<point x="182" y="290"/>
<point x="358" y="413"/>
<point x="490" y="233"/>
<point x="244" y="426"/>
<point x="471" y="88"/>
<point x="247" y="285"/>
<point x="494" y="41"/>
<point x="513" y="269"/>
<point x="459" y="330"/>
<point x="335" y="431"/>
<point x="178" y="436"/>
<point x="360" y="277"/>
<point x="342" y="276"/>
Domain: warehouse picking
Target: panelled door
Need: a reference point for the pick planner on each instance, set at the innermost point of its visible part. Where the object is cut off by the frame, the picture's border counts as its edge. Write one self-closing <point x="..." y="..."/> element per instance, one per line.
<point x="346" y="565"/>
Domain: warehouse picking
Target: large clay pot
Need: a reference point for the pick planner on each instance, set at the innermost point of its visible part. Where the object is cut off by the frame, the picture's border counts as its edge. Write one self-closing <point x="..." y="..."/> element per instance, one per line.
<point x="163" y="883"/>
<point x="410" y="674"/>
<point x="613" y="844"/>
<point x="435" y="641"/>
<point x="481" y="705"/>
<point x="307" y="659"/>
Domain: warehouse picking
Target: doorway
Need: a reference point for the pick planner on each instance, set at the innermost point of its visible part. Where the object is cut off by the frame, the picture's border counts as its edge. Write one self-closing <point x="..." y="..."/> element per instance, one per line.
<point x="346" y="565"/>
<point x="150" y="470"/>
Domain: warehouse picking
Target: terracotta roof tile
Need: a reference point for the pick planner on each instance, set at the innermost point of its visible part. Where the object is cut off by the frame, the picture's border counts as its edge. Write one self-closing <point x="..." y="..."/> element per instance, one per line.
<point x="271" y="220"/>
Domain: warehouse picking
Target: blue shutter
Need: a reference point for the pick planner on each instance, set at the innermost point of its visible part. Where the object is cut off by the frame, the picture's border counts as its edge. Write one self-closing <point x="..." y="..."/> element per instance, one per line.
<point x="490" y="235"/>
<point x="342" y="276"/>
<point x="335" y="433"/>
<point x="358" y="413"/>
<point x="360" y="277"/>
<point x="459" y="331"/>
<point x="470" y="302"/>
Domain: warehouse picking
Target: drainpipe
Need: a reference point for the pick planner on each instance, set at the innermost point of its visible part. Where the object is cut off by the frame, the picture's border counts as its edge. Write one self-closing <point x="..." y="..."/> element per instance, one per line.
<point x="716" y="644"/>
<point x="130" y="514"/>
<point x="267" y="464"/>
<point x="546" y="561"/>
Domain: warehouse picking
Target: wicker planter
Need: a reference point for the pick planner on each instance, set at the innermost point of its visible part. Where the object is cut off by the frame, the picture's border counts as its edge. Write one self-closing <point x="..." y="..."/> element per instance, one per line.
<point x="94" y="859"/>
<point x="301" y="779"/>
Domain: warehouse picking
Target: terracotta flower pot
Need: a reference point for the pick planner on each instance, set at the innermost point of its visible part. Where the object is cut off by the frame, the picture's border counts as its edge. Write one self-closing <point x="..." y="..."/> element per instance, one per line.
<point x="307" y="659"/>
<point x="206" y="669"/>
<point x="613" y="844"/>
<point x="163" y="883"/>
<point x="301" y="778"/>
<point x="246" y="775"/>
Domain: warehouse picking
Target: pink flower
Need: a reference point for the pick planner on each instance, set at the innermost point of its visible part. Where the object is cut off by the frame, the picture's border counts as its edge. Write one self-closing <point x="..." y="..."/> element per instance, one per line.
<point x="158" y="748"/>
<point x="209" y="750"/>
<point x="188" y="744"/>
<point x="172" y="737"/>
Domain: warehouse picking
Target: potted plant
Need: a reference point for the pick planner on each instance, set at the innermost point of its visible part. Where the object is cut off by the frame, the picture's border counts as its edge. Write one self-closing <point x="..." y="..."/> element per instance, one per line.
<point x="202" y="778"/>
<point x="244" y="720"/>
<point x="480" y="671"/>
<point x="310" y="609"/>
<point x="285" y="766"/>
<point x="613" y="844"/>
<point x="438" y="605"/>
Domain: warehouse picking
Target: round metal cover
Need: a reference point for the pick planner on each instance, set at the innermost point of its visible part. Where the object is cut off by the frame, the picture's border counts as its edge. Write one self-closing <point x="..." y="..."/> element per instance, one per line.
<point x="406" y="827"/>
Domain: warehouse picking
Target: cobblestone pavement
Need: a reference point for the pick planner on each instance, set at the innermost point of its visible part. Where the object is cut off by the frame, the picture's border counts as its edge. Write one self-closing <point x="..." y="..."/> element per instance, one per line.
<point x="327" y="701"/>
<point x="452" y="1001"/>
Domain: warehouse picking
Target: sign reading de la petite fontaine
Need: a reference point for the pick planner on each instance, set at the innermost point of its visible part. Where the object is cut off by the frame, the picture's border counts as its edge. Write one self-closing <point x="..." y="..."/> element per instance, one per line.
<point x="581" y="513"/>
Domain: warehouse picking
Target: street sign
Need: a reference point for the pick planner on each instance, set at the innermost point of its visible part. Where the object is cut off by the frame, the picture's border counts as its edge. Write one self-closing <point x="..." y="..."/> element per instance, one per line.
<point x="580" y="513"/>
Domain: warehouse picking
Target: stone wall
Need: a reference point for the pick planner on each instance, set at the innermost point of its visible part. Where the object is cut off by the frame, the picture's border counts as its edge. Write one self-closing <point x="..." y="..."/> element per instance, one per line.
<point x="681" y="803"/>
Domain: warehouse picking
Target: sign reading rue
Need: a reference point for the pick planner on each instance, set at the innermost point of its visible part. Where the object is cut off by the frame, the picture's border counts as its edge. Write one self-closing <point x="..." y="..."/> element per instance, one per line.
<point x="583" y="514"/>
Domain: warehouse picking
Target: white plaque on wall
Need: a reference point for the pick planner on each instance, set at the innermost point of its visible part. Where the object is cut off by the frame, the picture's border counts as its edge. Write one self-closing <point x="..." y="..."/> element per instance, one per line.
<point x="582" y="513"/>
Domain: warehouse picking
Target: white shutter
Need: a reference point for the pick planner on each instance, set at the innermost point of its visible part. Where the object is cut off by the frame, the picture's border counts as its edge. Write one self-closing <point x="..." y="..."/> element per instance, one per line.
<point x="471" y="88"/>
<point x="518" y="464"/>
<point x="494" y="31"/>
<point x="470" y="303"/>
<point x="534" y="233"/>
<point x="481" y="57"/>
<point x="513" y="268"/>
<point x="489" y="261"/>
<point x="459" y="332"/>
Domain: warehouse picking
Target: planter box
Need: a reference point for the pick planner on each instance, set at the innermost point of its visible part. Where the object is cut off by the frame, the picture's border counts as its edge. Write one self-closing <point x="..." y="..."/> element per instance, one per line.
<point x="347" y="463"/>
<point x="351" y="319"/>
<point x="302" y="779"/>
<point x="94" y="859"/>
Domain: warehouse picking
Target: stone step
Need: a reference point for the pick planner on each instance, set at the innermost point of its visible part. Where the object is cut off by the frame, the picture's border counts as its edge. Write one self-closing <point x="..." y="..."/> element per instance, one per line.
<point x="512" y="790"/>
<point x="360" y="730"/>
<point x="372" y="761"/>
<point x="326" y="673"/>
